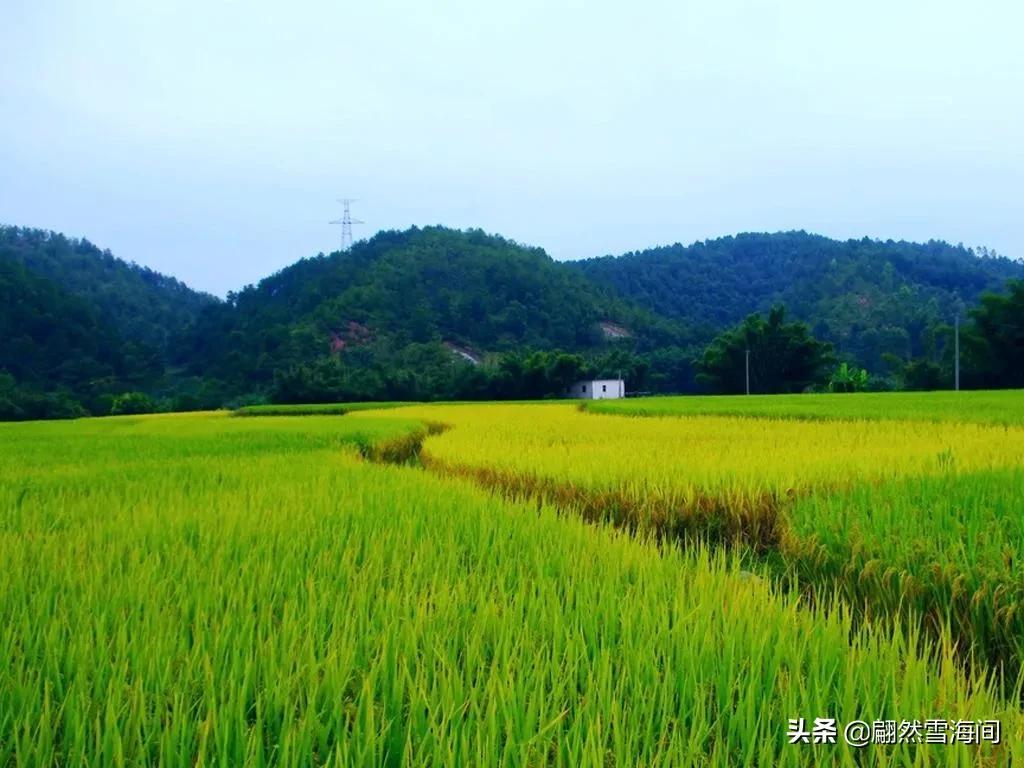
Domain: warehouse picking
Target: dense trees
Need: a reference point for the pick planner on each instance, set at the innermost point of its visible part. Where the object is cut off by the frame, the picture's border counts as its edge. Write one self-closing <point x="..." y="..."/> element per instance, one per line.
<point x="53" y="342"/>
<point x="145" y="307"/>
<point x="783" y="357"/>
<point x="78" y="326"/>
<point x="394" y="318"/>
<point x="869" y="298"/>
<point x="995" y="343"/>
<point x="19" y="403"/>
<point x="435" y="313"/>
<point x="427" y="372"/>
<point x="132" y="403"/>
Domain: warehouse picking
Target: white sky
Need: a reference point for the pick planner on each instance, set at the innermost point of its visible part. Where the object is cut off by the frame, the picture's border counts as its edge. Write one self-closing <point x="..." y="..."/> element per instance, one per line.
<point x="209" y="140"/>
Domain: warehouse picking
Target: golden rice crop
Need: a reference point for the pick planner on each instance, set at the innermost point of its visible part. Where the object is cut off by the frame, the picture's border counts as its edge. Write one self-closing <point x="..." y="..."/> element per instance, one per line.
<point x="706" y="454"/>
<point x="944" y="547"/>
<point x="198" y="590"/>
<point x="721" y="478"/>
<point x="997" y="407"/>
<point x="914" y="517"/>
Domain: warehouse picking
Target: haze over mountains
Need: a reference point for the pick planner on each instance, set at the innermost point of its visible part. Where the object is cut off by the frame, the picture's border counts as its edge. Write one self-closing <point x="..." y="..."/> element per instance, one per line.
<point x="440" y="313"/>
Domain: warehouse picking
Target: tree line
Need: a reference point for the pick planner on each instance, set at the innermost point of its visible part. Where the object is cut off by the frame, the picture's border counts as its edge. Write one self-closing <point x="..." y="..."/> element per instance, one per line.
<point x="775" y="356"/>
<point x="398" y="316"/>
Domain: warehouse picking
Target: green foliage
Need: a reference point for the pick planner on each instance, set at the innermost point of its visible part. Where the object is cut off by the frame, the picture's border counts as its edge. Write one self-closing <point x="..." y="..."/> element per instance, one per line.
<point x="146" y="308"/>
<point x="922" y="375"/>
<point x="398" y="316"/>
<point x="23" y="404"/>
<point x="431" y="372"/>
<point x="995" y="344"/>
<point x="50" y="338"/>
<point x="848" y="379"/>
<point x="784" y="357"/>
<point x="387" y="308"/>
<point x="77" y="324"/>
<point x="57" y="353"/>
<point x="132" y="403"/>
<point x="867" y="297"/>
<point x="534" y="375"/>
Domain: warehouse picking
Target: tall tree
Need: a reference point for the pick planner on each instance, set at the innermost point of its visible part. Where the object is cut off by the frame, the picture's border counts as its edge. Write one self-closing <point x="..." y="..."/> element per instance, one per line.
<point x="995" y="345"/>
<point x="784" y="356"/>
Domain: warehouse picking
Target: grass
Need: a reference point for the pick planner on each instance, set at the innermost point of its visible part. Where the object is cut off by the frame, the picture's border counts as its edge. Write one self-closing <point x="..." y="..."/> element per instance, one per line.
<point x="1003" y="407"/>
<point x="195" y="590"/>
<point x="311" y="409"/>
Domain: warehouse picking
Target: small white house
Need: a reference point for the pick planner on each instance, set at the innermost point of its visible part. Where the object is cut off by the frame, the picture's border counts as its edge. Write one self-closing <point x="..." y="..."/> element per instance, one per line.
<point x="597" y="389"/>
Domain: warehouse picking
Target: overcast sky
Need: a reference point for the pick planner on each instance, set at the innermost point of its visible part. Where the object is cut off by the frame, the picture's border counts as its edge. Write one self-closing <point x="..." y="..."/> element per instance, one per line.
<point x="209" y="140"/>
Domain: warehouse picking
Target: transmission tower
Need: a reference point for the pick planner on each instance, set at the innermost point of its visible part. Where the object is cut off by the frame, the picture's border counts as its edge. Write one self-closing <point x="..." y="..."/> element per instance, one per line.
<point x="346" y="221"/>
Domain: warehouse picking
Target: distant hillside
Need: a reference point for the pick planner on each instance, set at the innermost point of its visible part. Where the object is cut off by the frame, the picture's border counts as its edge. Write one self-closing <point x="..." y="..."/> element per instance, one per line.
<point x="54" y="348"/>
<point x="79" y="326"/>
<point x="437" y="313"/>
<point x="51" y="337"/>
<point x="470" y="293"/>
<point x="867" y="297"/>
<point x="143" y="306"/>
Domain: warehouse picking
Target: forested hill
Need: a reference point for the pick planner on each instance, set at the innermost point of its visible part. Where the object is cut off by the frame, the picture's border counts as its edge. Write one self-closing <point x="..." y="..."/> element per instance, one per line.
<point x="79" y="326"/>
<point x="437" y="313"/>
<point x="867" y="297"/>
<point x="51" y="341"/>
<point x="140" y="305"/>
<point x="401" y="300"/>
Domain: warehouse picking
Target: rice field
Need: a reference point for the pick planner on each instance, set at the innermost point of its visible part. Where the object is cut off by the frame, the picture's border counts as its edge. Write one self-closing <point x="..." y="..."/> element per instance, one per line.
<point x="708" y="454"/>
<point x="310" y="409"/>
<point x="717" y="477"/>
<point x="947" y="548"/>
<point x="1003" y="407"/>
<point x="528" y="585"/>
<point x="912" y="518"/>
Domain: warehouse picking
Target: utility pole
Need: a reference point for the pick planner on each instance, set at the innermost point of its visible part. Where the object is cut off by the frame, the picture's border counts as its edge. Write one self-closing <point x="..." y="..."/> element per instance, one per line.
<point x="956" y="324"/>
<point x="346" y="221"/>
<point x="748" y="371"/>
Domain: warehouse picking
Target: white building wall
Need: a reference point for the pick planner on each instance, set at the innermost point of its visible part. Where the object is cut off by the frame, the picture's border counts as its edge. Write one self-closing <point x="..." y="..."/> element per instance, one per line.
<point x="598" y="389"/>
<point x="608" y="389"/>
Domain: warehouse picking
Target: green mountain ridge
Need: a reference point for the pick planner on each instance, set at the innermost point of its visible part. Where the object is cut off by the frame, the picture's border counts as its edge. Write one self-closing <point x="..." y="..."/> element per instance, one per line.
<point x="467" y="290"/>
<point x="869" y="298"/>
<point x="144" y="306"/>
<point x="78" y="325"/>
<point x="400" y="315"/>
